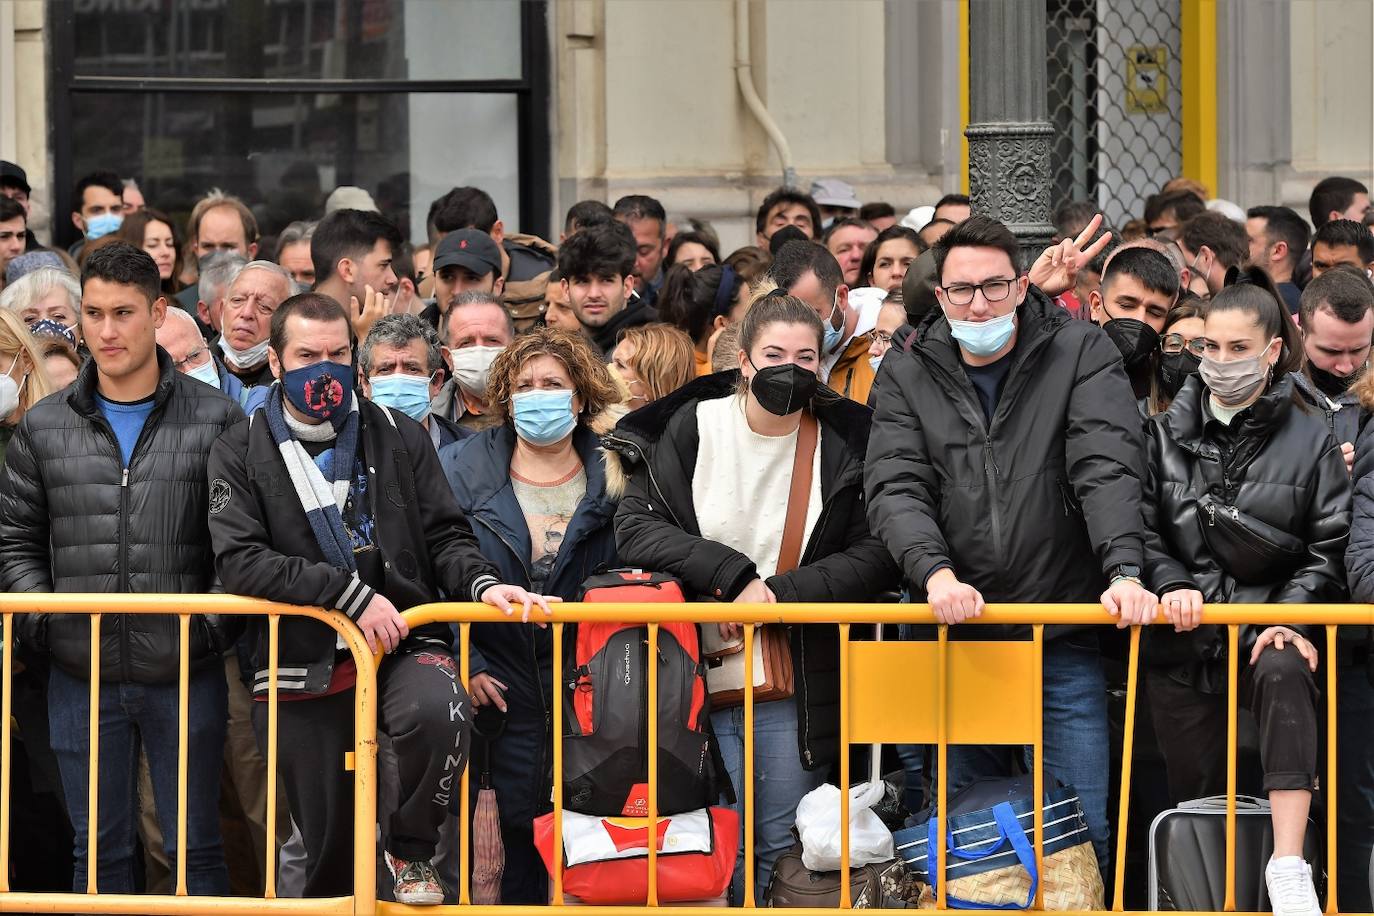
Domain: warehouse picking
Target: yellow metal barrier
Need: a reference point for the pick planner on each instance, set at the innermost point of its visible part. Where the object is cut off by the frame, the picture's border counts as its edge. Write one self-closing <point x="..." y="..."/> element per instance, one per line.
<point x="967" y="678"/>
<point x="960" y="675"/>
<point x="183" y="607"/>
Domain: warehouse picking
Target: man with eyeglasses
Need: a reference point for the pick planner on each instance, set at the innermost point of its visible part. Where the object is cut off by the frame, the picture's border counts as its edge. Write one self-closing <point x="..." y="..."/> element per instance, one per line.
<point x="1165" y="213"/>
<point x="181" y="337"/>
<point x="1005" y="465"/>
<point x="246" y="320"/>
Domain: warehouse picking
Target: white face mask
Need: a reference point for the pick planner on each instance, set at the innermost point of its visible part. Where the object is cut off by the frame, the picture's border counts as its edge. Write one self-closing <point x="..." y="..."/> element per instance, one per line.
<point x="207" y="373"/>
<point x="9" y="391"/>
<point x="472" y="368"/>
<point x="251" y="358"/>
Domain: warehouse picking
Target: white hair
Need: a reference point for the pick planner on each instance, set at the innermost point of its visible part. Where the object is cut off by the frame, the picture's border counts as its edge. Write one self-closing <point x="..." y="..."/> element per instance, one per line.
<point x="177" y="313"/>
<point x="35" y="286"/>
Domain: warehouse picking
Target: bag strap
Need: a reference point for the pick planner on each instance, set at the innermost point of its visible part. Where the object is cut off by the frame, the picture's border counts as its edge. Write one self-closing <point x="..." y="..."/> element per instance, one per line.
<point x="1012" y="834"/>
<point x="793" y="529"/>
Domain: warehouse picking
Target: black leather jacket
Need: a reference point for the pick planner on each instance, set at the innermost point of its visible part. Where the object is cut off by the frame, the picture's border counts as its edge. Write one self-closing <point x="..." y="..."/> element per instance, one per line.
<point x="74" y="519"/>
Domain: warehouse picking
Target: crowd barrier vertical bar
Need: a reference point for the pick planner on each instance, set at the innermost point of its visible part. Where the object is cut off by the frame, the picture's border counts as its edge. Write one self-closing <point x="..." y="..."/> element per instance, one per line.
<point x="1332" y="803"/>
<point x="941" y="769"/>
<point x="269" y="867"/>
<point x="183" y="745"/>
<point x="557" y="854"/>
<point x="6" y="707"/>
<point x="747" y="783"/>
<point x="1127" y="750"/>
<point x="1038" y="777"/>
<point x="845" y="891"/>
<point x="93" y="762"/>
<point x="364" y="774"/>
<point x="464" y="812"/>
<point x="651" y="663"/>
<point x="1232" y="667"/>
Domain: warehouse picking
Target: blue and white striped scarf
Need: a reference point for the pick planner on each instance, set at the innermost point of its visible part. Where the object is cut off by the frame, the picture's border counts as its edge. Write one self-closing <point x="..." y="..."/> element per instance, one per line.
<point x="323" y="500"/>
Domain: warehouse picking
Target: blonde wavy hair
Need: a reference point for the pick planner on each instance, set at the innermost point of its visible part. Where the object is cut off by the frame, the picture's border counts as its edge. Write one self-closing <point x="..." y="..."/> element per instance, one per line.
<point x="16" y="341"/>
<point x="591" y="379"/>
<point x="664" y="358"/>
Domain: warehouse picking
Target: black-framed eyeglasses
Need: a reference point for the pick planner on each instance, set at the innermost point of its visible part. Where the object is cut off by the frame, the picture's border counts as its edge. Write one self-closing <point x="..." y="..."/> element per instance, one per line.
<point x="993" y="291"/>
<point x="1177" y="343"/>
<point x="191" y="357"/>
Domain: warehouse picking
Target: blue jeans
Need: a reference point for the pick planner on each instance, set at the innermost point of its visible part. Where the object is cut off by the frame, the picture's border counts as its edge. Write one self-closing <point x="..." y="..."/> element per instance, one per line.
<point x="132" y="715"/>
<point x="1075" y="737"/>
<point x="779" y="784"/>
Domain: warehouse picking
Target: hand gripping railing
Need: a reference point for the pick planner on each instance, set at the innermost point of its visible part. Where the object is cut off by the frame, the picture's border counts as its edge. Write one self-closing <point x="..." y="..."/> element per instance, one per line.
<point x="184" y="607"/>
<point x="871" y="674"/>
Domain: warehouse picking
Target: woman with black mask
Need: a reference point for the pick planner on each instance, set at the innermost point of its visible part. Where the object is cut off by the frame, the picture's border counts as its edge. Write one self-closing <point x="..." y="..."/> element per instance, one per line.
<point x="1247" y="501"/>
<point x="1180" y="349"/>
<point x="708" y="474"/>
<point x="1138" y="288"/>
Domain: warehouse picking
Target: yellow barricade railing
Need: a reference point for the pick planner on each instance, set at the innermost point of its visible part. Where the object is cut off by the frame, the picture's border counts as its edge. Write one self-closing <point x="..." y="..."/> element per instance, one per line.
<point x="184" y="607"/>
<point x="951" y="672"/>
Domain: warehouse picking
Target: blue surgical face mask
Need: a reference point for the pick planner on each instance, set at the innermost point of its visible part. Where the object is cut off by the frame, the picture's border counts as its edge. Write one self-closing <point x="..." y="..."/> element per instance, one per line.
<point x="102" y="225"/>
<point x="983" y="338"/>
<point x="207" y="373"/>
<point x="875" y="362"/>
<point x="322" y="391"/>
<point x="832" y="333"/>
<point x="544" y="417"/>
<point x="407" y="393"/>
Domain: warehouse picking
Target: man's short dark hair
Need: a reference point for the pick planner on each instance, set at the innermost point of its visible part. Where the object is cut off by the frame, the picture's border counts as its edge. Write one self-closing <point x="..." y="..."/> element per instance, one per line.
<point x="1343" y="232"/>
<point x="463" y="208"/>
<point x="877" y="210"/>
<point x="1282" y="224"/>
<point x="1184" y="204"/>
<point x="1149" y="267"/>
<point x="585" y="214"/>
<point x="1072" y="216"/>
<point x="977" y="232"/>
<point x="310" y="306"/>
<point x="1344" y="291"/>
<point x="797" y="259"/>
<point x="601" y="251"/>
<point x="1219" y="232"/>
<point x="634" y="207"/>
<point x="349" y="234"/>
<point x="11" y="209"/>
<point x="107" y="180"/>
<point x="1334" y="193"/>
<point x="788" y="196"/>
<point x="953" y="200"/>
<point x="128" y="265"/>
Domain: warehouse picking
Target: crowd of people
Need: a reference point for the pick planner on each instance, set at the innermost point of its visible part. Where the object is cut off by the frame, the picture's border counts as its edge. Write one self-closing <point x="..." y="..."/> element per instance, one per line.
<point x="1158" y="418"/>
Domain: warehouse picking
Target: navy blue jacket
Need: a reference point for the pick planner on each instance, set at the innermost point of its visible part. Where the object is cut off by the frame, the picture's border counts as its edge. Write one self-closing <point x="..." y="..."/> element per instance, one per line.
<point x="478" y="470"/>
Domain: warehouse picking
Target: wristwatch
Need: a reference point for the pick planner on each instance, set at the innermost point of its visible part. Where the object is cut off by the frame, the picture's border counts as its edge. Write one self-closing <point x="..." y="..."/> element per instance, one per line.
<point x="1127" y="571"/>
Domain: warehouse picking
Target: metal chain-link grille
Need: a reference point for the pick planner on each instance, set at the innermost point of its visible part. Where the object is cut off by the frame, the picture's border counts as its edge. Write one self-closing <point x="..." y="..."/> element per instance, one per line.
<point x="1115" y="101"/>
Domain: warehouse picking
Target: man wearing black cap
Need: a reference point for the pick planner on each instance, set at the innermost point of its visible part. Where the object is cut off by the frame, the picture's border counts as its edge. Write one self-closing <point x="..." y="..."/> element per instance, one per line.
<point x="464" y="261"/>
<point x="14" y="184"/>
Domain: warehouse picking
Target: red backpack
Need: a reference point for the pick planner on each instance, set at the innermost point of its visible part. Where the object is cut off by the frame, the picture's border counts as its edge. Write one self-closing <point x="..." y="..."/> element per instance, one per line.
<point x="605" y="767"/>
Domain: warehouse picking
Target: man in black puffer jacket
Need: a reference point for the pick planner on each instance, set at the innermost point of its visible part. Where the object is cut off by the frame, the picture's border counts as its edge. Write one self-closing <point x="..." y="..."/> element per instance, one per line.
<point x="1005" y="464"/>
<point x="105" y="490"/>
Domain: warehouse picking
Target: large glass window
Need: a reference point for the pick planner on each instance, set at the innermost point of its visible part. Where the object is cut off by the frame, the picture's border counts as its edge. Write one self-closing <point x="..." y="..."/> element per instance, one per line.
<point x="280" y="101"/>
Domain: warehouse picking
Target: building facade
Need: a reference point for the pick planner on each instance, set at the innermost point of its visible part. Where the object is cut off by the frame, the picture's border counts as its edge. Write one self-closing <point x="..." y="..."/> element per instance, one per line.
<point x="545" y="103"/>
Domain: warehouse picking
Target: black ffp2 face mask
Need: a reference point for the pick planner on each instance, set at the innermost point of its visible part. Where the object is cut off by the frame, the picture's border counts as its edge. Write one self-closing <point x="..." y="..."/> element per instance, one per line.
<point x="1331" y="384"/>
<point x="784" y="389"/>
<point x="1135" y="339"/>
<point x="1174" y="369"/>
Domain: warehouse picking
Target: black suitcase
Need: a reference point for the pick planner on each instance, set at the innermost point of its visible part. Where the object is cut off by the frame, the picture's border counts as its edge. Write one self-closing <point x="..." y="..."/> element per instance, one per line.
<point x="1188" y="856"/>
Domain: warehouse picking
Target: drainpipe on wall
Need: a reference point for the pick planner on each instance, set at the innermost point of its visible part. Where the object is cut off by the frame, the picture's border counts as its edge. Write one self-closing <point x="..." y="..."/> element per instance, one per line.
<point x="744" y="73"/>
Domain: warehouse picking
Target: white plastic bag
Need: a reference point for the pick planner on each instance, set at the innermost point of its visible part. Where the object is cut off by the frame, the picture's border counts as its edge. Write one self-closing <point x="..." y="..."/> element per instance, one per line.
<point x="818" y="825"/>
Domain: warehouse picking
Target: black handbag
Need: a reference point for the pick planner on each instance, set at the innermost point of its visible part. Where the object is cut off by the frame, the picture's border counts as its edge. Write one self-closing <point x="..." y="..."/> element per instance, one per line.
<point x="1252" y="551"/>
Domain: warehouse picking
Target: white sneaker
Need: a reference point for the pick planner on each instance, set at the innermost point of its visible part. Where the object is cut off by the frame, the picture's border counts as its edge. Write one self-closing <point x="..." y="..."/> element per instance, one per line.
<point x="1291" y="892"/>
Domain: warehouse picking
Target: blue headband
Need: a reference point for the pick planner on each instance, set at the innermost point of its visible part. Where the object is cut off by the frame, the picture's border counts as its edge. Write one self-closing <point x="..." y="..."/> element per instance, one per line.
<point x="725" y="293"/>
